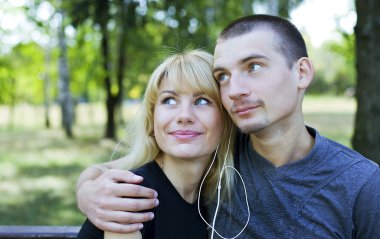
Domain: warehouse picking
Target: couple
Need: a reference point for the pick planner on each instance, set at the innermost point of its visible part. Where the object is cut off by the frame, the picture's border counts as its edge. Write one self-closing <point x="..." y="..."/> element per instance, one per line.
<point x="298" y="183"/>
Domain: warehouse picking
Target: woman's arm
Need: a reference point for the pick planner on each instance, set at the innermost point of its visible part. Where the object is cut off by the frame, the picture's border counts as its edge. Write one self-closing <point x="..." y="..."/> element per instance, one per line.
<point x="132" y="235"/>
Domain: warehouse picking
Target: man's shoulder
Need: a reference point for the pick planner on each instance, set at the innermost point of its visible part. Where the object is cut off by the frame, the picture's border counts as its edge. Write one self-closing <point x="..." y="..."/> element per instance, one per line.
<point x="349" y="161"/>
<point x="328" y="148"/>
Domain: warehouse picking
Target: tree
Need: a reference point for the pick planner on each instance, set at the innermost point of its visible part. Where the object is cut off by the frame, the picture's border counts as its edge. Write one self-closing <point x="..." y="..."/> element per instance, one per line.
<point x="367" y="31"/>
<point x="48" y="26"/>
<point x="117" y="42"/>
<point x="280" y="7"/>
<point x="64" y="82"/>
<point x="103" y="14"/>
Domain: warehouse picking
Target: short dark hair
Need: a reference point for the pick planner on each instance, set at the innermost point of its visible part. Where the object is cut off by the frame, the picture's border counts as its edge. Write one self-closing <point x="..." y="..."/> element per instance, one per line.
<point x="290" y="41"/>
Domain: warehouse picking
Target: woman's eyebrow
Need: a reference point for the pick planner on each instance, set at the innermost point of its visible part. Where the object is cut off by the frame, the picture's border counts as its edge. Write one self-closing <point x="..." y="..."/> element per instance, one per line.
<point x="172" y="92"/>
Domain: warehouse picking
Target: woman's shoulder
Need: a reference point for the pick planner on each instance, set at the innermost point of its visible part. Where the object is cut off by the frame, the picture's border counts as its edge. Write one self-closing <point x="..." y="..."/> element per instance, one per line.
<point x="150" y="172"/>
<point x="146" y="169"/>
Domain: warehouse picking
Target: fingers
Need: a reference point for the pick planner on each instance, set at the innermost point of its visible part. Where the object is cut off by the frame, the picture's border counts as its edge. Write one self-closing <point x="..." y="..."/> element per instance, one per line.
<point x="129" y="204"/>
<point x="127" y="217"/>
<point x="132" y="190"/>
<point x="119" y="175"/>
<point x="124" y="222"/>
<point x="120" y="228"/>
<point x="114" y="201"/>
<point x="126" y="185"/>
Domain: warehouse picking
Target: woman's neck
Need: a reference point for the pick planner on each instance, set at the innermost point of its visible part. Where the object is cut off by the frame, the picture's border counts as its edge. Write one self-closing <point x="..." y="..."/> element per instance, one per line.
<point x="184" y="174"/>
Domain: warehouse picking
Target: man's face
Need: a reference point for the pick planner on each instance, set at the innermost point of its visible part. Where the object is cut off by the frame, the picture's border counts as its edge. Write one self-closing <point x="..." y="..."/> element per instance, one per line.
<point x="258" y="89"/>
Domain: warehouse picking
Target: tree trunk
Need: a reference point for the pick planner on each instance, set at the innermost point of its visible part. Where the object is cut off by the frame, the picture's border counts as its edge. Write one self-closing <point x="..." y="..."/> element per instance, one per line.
<point x="12" y="105"/>
<point x="111" y="101"/>
<point x="126" y="11"/>
<point x="64" y="83"/>
<point x="367" y="31"/>
<point x="46" y="80"/>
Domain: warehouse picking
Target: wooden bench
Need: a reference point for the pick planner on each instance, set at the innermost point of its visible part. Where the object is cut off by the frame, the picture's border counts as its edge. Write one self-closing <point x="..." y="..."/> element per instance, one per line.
<point x="46" y="232"/>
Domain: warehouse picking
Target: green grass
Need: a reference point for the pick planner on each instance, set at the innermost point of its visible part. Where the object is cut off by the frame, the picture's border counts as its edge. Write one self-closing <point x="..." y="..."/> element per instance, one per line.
<point x="39" y="167"/>
<point x="333" y="117"/>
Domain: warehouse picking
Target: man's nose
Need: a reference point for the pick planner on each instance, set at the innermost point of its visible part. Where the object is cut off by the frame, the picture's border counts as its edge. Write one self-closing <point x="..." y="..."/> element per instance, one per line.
<point x="238" y="87"/>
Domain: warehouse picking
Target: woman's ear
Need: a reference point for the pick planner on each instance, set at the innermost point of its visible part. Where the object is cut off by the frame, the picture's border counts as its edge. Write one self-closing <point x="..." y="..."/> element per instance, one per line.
<point x="305" y="72"/>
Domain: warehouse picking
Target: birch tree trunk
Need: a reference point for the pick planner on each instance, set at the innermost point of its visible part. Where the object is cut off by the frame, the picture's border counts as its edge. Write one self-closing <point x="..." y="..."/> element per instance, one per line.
<point x="46" y="79"/>
<point x="64" y="82"/>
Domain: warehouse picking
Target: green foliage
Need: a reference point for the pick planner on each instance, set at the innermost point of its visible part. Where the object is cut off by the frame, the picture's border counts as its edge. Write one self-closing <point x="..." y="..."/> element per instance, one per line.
<point x="8" y="95"/>
<point x="21" y="74"/>
<point x="153" y="30"/>
<point x="335" y="67"/>
<point x="84" y="64"/>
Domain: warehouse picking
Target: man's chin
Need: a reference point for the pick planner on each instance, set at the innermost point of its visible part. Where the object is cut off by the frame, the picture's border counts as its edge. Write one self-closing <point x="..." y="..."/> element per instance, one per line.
<point x="251" y="129"/>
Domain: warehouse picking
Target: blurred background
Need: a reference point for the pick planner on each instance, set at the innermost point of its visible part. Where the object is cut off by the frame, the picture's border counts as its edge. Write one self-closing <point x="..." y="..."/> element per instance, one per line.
<point x="72" y="74"/>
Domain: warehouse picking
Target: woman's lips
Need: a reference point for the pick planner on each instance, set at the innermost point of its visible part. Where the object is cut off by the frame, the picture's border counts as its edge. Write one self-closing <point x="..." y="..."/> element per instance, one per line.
<point x="185" y="134"/>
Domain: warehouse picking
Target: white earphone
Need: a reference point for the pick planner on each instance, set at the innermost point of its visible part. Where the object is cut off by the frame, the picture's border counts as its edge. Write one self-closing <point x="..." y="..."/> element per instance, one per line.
<point x="218" y="198"/>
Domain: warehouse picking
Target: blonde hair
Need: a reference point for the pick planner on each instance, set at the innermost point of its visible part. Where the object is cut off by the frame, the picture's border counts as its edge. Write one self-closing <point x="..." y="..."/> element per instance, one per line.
<point x="187" y="69"/>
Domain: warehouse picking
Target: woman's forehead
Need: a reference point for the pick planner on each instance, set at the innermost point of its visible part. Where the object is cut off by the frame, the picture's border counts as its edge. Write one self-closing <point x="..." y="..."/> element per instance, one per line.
<point x="181" y="85"/>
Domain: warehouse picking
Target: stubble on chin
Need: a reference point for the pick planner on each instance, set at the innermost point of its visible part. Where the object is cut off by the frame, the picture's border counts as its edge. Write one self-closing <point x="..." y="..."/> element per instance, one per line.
<point x="251" y="129"/>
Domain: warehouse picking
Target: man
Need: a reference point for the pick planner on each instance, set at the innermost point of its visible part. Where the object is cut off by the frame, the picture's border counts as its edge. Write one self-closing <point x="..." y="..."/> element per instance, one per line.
<point x="299" y="184"/>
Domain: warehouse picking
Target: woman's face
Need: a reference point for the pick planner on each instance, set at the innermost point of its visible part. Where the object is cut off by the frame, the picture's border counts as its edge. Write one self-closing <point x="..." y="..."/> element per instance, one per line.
<point x="187" y="125"/>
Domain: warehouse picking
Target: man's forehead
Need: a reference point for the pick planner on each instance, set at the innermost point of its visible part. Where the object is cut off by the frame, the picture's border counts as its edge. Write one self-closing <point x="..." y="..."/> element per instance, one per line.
<point x="255" y="34"/>
<point x="254" y="42"/>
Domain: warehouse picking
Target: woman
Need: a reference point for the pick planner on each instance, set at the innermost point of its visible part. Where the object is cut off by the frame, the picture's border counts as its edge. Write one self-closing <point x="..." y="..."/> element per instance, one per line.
<point x="180" y="129"/>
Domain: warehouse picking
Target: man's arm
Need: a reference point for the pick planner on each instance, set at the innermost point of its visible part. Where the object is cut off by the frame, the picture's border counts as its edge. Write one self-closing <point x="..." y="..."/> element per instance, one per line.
<point x="111" y="199"/>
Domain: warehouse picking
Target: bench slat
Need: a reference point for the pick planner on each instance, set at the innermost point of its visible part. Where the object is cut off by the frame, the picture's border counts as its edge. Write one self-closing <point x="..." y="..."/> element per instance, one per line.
<point x="47" y="232"/>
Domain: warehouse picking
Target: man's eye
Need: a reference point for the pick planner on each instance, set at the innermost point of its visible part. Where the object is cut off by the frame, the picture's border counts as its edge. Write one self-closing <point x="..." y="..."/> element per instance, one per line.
<point x="222" y="77"/>
<point x="202" y="101"/>
<point x="168" y="101"/>
<point x="254" y="67"/>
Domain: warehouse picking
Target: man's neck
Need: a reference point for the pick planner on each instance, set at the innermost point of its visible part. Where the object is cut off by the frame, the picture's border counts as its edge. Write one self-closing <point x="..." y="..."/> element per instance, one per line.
<point x="281" y="147"/>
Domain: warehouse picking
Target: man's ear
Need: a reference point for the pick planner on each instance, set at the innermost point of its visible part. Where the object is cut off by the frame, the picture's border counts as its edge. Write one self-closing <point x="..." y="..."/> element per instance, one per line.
<point x="305" y="71"/>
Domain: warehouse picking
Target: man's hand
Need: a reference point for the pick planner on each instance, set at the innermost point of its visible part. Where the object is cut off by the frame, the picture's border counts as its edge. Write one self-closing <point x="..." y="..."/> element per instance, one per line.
<point x="112" y="201"/>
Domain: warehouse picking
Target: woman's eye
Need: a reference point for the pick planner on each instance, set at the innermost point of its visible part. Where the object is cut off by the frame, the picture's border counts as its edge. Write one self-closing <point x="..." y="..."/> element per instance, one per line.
<point x="202" y="101"/>
<point x="254" y="67"/>
<point x="168" y="101"/>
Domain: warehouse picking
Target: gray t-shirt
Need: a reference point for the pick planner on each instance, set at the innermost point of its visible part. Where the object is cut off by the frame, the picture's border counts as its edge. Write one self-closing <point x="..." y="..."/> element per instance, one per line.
<point x="334" y="192"/>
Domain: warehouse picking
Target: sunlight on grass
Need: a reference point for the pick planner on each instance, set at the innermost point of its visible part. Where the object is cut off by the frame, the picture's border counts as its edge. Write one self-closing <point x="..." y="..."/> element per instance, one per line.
<point x="333" y="117"/>
<point x="329" y="104"/>
<point x="41" y="168"/>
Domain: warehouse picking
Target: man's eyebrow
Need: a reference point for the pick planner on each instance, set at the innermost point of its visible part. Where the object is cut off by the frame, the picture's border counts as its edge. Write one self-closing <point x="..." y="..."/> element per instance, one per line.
<point x="216" y="69"/>
<point x="242" y="61"/>
<point x="253" y="56"/>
